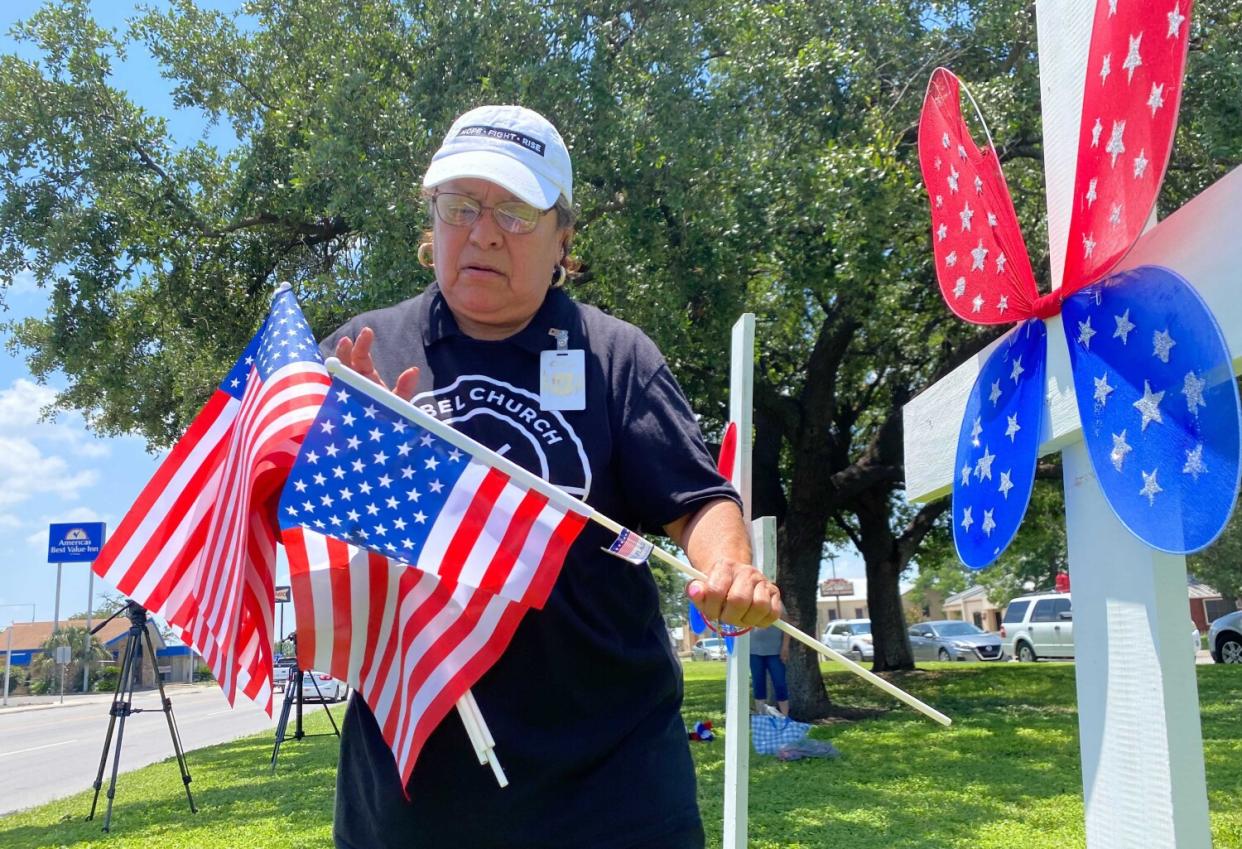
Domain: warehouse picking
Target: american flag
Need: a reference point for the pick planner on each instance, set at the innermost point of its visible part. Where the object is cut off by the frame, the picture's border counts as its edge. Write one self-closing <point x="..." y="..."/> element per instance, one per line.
<point x="383" y="481"/>
<point x="198" y="546"/>
<point x="408" y="642"/>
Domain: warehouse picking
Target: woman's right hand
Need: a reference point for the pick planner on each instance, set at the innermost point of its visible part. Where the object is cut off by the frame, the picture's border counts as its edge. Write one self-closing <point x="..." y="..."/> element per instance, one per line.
<point x="356" y="353"/>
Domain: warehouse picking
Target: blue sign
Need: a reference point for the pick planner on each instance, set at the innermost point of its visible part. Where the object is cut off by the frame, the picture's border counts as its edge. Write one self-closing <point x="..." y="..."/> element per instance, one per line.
<point x="74" y="542"/>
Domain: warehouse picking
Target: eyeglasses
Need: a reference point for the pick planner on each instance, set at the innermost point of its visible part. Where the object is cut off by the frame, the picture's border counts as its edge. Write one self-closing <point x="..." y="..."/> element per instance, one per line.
<point x="512" y="216"/>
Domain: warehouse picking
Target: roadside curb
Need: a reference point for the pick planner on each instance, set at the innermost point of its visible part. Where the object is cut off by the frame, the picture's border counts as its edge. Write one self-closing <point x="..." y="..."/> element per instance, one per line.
<point x="89" y="699"/>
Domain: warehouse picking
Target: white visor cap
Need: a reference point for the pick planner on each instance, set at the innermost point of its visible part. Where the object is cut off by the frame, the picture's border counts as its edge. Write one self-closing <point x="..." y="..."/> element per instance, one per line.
<point x="511" y="146"/>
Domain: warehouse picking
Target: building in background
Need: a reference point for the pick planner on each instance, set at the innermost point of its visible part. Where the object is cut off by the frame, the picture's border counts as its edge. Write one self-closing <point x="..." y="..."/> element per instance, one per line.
<point x="174" y="663"/>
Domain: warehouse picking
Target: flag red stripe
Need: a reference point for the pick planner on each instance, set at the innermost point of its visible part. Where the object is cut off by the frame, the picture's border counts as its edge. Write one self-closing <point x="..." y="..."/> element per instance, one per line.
<point x="198" y="427"/>
<point x="472" y="522"/>
<point x="541" y="584"/>
<point x="510" y="547"/>
<point x="420" y="618"/>
<point x="303" y="600"/>
<point x="342" y="611"/>
<point x="377" y="586"/>
<point x="457" y="686"/>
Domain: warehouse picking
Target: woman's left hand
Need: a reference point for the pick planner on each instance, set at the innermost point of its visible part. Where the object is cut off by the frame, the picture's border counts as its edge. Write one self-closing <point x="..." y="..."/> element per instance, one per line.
<point x="736" y="593"/>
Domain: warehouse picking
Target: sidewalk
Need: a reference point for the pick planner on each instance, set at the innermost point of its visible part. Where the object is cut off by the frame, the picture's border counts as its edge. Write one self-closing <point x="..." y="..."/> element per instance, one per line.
<point x="20" y="704"/>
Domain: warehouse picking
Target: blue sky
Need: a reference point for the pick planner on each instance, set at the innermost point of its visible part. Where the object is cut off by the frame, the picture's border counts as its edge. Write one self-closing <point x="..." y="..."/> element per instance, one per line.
<point x="58" y="471"/>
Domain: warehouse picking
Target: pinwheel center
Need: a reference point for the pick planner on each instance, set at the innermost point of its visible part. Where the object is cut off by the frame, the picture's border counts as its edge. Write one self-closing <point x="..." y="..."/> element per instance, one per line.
<point x="1046" y="306"/>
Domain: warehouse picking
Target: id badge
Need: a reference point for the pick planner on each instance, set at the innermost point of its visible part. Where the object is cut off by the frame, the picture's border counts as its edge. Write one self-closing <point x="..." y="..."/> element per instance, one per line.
<point x="562" y="380"/>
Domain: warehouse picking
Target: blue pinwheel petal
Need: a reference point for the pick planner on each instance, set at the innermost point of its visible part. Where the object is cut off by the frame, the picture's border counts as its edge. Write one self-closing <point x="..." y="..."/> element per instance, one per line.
<point x="697" y="625"/>
<point x="998" y="446"/>
<point x="1158" y="404"/>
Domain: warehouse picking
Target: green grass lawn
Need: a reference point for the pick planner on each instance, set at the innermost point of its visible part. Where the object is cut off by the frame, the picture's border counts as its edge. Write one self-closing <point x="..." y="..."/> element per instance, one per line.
<point x="1006" y="774"/>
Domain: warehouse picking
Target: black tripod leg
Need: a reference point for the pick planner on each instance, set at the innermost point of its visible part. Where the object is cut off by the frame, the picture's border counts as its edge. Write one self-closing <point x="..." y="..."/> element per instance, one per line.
<point x="127" y="685"/>
<point x="284" y="718"/>
<point x="113" y="712"/>
<point x="166" y="704"/>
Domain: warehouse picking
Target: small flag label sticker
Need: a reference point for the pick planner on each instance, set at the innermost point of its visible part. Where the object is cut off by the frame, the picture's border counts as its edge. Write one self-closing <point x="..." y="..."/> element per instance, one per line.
<point x="630" y="546"/>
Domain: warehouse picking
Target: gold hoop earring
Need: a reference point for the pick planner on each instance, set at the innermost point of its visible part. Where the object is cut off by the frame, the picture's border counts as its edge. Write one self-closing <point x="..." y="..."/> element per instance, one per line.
<point x="558" y="278"/>
<point x="425" y="258"/>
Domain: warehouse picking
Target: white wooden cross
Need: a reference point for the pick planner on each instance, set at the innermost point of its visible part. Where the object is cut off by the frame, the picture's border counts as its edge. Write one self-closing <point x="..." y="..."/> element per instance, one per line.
<point x="1138" y="707"/>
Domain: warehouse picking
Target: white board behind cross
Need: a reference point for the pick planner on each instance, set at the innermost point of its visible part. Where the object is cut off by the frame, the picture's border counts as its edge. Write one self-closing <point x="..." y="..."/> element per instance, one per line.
<point x="1138" y="707"/>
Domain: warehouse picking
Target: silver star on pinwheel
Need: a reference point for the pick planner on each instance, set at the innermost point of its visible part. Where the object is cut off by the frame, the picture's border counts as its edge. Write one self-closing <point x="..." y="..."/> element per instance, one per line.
<point x="1124" y="326"/>
<point x="1102" y="389"/>
<point x="1149" y="405"/>
<point x="1150" y="487"/>
<point x="1120" y="449"/>
<point x="988" y="523"/>
<point x="1012" y="429"/>
<point x="978" y="255"/>
<point x="1133" y="59"/>
<point x="1017" y="370"/>
<point x="1192" y="388"/>
<point x="1162" y="343"/>
<point x="975" y="430"/>
<point x="1085" y="332"/>
<point x="1005" y="484"/>
<point x="1194" y="462"/>
<point x="995" y="394"/>
<point x="966" y="475"/>
<point x="967" y="521"/>
<point x="983" y="468"/>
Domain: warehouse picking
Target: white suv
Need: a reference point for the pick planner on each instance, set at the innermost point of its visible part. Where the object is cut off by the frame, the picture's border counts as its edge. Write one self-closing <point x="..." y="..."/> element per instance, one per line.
<point x="1039" y="625"/>
<point x="850" y="637"/>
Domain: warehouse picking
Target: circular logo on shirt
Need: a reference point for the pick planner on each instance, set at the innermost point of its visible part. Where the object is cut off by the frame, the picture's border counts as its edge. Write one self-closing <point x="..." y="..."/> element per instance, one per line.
<point x="509" y="421"/>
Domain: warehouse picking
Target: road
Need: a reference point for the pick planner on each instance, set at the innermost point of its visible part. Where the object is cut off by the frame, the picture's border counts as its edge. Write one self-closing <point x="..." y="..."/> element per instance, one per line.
<point x="51" y="751"/>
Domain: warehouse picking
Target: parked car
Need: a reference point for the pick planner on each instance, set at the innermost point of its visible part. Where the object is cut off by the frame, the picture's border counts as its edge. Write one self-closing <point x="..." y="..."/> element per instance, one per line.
<point x="709" y="648"/>
<point x="280" y="672"/>
<point x="318" y="686"/>
<point x="1225" y="638"/>
<point x="952" y="639"/>
<point x="1039" y="625"/>
<point x="850" y="637"/>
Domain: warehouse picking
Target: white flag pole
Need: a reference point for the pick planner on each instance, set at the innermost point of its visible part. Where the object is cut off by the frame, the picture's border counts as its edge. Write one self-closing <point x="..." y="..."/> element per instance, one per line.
<point x="566" y="501"/>
<point x="737" y="681"/>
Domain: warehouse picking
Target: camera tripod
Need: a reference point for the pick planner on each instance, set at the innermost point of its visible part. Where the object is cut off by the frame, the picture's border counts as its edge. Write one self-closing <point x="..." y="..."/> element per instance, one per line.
<point x="122" y="706"/>
<point x="294" y="697"/>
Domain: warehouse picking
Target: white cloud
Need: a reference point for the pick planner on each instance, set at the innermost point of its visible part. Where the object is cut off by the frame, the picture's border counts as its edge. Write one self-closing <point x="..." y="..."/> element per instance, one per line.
<point x="9" y="521"/>
<point x="38" y="539"/>
<point x="50" y="458"/>
<point x="23" y="282"/>
<point x="27" y="471"/>
<point x="21" y="412"/>
<point x="22" y="404"/>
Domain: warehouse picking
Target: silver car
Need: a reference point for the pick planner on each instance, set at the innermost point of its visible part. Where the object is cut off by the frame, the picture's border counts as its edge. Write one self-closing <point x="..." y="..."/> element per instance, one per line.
<point x="1225" y="638"/>
<point x="851" y="637"/>
<point x="952" y="639"/>
<point x="710" y="648"/>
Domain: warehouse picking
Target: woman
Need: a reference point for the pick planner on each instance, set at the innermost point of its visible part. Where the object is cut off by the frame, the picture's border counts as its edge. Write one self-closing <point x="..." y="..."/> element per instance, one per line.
<point x="584" y="704"/>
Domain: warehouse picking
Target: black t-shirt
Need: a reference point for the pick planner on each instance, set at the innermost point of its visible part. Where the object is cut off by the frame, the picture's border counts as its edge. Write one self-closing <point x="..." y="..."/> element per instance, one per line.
<point x="585" y="703"/>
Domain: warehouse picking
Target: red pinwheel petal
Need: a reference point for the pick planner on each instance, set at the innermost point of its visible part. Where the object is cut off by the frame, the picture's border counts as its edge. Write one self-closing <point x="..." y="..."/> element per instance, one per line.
<point x="1129" y="116"/>
<point x="981" y="260"/>
<point x="728" y="451"/>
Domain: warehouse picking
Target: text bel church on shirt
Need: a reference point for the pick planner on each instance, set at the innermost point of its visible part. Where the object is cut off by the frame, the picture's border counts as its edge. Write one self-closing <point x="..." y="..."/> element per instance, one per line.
<point x="455" y="404"/>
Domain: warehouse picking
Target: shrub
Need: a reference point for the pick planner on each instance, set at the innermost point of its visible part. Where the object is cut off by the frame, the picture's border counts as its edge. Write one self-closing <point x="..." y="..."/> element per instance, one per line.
<point x="106" y="678"/>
